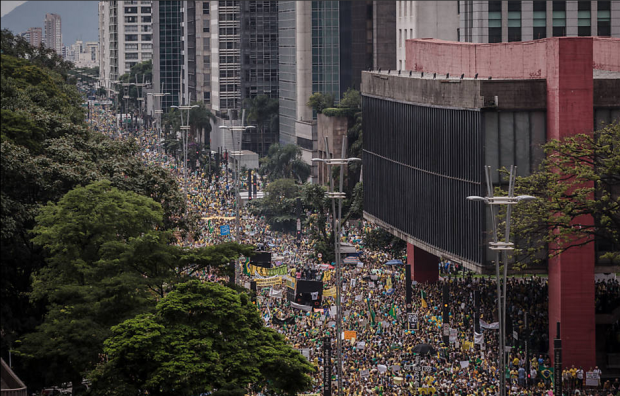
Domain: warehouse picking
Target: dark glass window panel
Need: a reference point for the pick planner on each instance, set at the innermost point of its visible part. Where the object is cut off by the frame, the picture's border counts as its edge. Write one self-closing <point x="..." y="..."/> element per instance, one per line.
<point x="540" y="6"/>
<point x="514" y="6"/>
<point x="584" y="6"/>
<point x="540" y="33"/>
<point x="604" y="29"/>
<point x="514" y="34"/>
<point x="495" y="6"/>
<point x="584" y="31"/>
<point x="559" y="31"/>
<point x="495" y="35"/>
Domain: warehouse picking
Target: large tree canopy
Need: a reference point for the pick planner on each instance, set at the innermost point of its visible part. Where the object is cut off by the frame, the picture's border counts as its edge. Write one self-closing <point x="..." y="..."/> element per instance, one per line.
<point x="203" y="337"/>
<point x="108" y="260"/>
<point x="578" y="184"/>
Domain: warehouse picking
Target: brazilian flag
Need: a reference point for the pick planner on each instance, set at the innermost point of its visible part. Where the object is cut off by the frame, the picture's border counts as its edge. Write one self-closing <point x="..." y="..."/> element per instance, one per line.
<point x="372" y="313"/>
<point x="246" y="267"/>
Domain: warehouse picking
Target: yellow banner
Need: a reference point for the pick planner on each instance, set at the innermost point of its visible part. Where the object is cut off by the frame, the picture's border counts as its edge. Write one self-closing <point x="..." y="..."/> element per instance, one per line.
<point x="331" y="292"/>
<point x="291" y="282"/>
<point x="266" y="282"/>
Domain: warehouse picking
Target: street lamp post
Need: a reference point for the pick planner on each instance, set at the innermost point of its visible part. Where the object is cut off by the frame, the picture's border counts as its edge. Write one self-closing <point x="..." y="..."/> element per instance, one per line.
<point x="337" y="195"/>
<point x="185" y="137"/>
<point x="237" y="154"/>
<point x="158" y="112"/>
<point x="503" y="247"/>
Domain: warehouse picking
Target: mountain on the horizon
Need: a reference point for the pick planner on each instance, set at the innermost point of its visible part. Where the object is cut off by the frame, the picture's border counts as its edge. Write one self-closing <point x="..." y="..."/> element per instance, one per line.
<point x="79" y="18"/>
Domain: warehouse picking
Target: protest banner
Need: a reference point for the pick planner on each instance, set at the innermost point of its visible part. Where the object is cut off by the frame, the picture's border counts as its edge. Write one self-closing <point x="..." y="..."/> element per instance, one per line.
<point x="268" y="281"/>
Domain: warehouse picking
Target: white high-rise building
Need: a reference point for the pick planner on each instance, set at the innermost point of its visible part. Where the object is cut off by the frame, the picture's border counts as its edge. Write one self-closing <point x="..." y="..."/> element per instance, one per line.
<point x="53" y="32"/>
<point x="424" y="19"/>
<point x="125" y="37"/>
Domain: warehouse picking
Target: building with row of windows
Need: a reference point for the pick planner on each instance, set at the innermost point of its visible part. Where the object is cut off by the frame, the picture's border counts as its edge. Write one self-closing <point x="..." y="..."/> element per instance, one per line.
<point x="503" y="21"/>
<point x="125" y="37"/>
<point x="34" y="36"/>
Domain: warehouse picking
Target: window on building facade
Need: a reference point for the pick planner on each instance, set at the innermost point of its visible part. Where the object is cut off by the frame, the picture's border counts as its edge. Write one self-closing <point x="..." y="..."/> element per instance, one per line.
<point x="146" y="10"/>
<point x="131" y="37"/>
<point x="205" y="29"/>
<point x="129" y="47"/>
<point x="146" y="19"/>
<point x="147" y="37"/>
<point x="584" y="15"/>
<point x="147" y="56"/>
<point x="540" y="20"/>
<point x="131" y="55"/>
<point x="131" y="19"/>
<point x="131" y="28"/>
<point x="495" y="21"/>
<point x="131" y="10"/>
<point x="514" y="21"/>
<point x="205" y="8"/>
<point x="146" y="28"/>
<point x="603" y="18"/>
<point x="559" y="18"/>
<point x="207" y="97"/>
<point x="147" y="46"/>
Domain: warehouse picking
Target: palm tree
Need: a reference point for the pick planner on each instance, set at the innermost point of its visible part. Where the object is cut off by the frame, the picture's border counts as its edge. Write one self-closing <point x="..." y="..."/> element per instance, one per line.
<point x="263" y="111"/>
<point x="200" y="120"/>
<point x="284" y="162"/>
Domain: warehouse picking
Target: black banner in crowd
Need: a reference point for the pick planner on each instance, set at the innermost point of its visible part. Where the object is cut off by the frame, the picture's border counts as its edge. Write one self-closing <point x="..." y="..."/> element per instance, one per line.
<point x="289" y="321"/>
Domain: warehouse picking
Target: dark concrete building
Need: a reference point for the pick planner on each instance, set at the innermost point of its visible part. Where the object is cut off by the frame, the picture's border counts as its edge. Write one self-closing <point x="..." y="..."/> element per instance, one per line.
<point x="429" y="131"/>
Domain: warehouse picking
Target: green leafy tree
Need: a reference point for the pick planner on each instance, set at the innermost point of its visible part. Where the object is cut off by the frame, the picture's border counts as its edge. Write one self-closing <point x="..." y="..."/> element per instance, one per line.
<point x="318" y="205"/>
<point x="203" y="337"/>
<point x="319" y="101"/>
<point x="578" y="202"/>
<point x="47" y="150"/>
<point x="351" y="99"/>
<point x="200" y="122"/>
<point x="278" y="205"/>
<point x="284" y="162"/>
<point x="108" y="260"/>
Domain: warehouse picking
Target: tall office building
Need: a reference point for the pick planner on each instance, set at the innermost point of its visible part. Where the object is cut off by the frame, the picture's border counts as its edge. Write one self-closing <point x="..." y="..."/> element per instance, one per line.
<point x="202" y="72"/>
<point x="168" y="58"/>
<point x="424" y="19"/>
<point x="34" y="36"/>
<point x="503" y="21"/>
<point x="53" y="32"/>
<point x="324" y="46"/>
<point x="125" y="37"/>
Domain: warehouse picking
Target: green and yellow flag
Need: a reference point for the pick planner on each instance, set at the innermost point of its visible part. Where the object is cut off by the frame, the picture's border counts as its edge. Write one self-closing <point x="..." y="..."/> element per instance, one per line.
<point x="423" y="295"/>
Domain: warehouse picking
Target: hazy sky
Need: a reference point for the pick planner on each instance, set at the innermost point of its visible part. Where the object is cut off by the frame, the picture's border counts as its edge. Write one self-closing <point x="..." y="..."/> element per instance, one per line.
<point x="8" y="6"/>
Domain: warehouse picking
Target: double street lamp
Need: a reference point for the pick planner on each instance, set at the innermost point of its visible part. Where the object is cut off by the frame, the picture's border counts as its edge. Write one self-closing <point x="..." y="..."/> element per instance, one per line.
<point x="503" y="247"/>
<point x="237" y="153"/>
<point x="337" y="195"/>
<point x="158" y="112"/>
<point x="184" y="135"/>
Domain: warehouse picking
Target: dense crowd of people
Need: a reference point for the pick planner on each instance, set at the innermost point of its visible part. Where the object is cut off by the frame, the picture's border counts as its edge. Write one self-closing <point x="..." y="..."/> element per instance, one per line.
<point x="382" y="348"/>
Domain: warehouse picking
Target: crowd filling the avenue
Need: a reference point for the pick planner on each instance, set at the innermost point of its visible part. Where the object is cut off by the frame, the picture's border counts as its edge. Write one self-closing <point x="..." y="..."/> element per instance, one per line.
<point x="386" y="350"/>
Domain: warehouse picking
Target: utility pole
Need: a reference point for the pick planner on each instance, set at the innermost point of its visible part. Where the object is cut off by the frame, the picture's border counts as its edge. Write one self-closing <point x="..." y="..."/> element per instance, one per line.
<point x="336" y="217"/>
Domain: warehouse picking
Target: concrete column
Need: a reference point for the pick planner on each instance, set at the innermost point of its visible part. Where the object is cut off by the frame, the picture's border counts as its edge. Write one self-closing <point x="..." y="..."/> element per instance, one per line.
<point x="571" y="274"/>
<point x="424" y="266"/>
<point x="527" y="21"/>
<point x="571" y="18"/>
<point x="303" y="39"/>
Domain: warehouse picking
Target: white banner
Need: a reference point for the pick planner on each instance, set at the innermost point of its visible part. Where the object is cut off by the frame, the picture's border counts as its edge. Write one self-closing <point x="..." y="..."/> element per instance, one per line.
<point x="492" y="326"/>
<point x="478" y="338"/>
